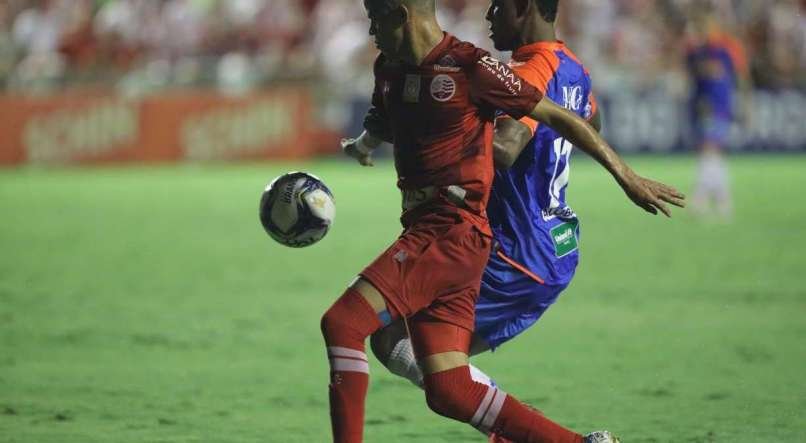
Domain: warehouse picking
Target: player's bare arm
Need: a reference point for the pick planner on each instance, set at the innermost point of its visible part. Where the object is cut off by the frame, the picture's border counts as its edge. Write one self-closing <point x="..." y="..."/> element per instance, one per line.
<point x="377" y="132"/>
<point x="511" y="136"/>
<point x="361" y="147"/>
<point x="650" y="195"/>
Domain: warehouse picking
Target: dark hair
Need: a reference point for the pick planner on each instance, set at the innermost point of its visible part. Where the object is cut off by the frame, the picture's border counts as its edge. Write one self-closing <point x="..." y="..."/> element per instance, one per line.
<point x="548" y="9"/>
<point x="381" y="7"/>
<point x="385" y="6"/>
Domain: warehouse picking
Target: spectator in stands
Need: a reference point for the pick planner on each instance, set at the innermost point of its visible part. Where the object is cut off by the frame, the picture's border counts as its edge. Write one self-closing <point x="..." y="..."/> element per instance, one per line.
<point x="36" y="33"/>
<point x="7" y="50"/>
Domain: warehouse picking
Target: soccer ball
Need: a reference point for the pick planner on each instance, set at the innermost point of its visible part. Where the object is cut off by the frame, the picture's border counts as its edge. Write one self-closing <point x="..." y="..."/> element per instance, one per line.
<point x="297" y="209"/>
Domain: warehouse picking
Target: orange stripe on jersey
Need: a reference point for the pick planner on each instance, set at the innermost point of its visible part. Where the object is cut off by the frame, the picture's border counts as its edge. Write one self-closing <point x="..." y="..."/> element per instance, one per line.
<point x="521" y="268"/>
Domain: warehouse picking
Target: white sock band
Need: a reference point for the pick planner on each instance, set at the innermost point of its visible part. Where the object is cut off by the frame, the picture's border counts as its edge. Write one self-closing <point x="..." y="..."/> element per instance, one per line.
<point x="488" y="410"/>
<point x="347" y="360"/>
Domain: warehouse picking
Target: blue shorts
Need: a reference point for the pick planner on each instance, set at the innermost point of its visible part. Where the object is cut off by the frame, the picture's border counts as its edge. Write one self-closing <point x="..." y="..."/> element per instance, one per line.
<point x="714" y="129"/>
<point x="510" y="302"/>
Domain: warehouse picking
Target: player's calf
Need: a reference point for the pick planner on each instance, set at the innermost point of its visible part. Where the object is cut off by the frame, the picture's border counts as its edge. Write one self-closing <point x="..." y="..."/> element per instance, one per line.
<point x="345" y="327"/>
<point x="454" y="394"/>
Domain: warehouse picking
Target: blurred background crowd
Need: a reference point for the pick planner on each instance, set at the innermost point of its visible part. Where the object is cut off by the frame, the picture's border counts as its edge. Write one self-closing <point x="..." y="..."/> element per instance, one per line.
<point x="143" y="46"/>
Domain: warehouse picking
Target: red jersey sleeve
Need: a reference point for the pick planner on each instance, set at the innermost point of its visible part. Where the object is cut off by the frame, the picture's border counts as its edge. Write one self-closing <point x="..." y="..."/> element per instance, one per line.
<point x="496" y="85"/>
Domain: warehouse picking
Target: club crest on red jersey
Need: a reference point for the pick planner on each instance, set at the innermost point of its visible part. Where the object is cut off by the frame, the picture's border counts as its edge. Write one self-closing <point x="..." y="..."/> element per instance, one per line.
<point x="443" y="88"/>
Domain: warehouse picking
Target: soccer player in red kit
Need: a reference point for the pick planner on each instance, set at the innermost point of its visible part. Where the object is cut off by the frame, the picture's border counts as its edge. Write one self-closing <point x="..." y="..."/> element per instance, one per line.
<point x="436" y="99"/>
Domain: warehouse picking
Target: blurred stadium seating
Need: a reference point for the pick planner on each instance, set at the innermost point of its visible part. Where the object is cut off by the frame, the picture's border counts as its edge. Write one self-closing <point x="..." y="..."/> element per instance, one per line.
<point x="143" y="52"/>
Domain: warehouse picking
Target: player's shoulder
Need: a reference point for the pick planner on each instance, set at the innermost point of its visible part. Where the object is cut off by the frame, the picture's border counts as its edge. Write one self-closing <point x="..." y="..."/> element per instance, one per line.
<point x="547" y="58"/>
<point x="542" y="62"/>
<point x="464" y="55"/>
<point x="573" y="58"/>
<point x="381" y="62"/>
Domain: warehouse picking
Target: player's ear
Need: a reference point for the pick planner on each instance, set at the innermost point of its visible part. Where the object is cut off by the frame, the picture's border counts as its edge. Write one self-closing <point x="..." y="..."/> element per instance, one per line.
<point x="403" y="15"/>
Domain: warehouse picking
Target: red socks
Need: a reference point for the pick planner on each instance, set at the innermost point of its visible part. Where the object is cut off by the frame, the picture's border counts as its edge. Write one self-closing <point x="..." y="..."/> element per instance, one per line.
<point x="454" y="394"/>
<point x="345" y="326"/>
<point x="520" y="423"/>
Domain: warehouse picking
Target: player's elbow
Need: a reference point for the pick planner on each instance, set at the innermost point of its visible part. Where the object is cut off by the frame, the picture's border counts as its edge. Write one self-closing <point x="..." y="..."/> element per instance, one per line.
<point x="511" y="136"/>
<point x="504" y="158"/>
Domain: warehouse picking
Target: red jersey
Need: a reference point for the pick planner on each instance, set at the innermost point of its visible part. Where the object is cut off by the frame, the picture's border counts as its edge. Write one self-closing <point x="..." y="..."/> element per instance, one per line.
<point x="439" y="116"/>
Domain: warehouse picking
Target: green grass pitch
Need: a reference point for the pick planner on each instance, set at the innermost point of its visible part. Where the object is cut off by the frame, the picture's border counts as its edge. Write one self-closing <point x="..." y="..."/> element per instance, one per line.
<point x="147" y="305"/>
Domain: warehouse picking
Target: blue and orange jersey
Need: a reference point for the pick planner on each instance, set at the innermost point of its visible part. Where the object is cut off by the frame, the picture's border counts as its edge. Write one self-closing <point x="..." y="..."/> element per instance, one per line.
<point x="528" y="200"/>
<point x="715" y="67"/>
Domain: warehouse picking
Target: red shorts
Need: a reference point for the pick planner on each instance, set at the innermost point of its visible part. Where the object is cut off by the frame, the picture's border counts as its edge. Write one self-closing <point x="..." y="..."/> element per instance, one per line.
<point x="434" y="270"/>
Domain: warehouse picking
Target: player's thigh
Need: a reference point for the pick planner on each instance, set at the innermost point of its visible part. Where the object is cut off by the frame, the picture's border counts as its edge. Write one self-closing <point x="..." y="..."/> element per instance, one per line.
<point x="370" y="293"/>
<point x="389" y="275"/>
<point x="479" y="345"/>
<point x="430" y="264"/>
<point x="451" y="264"/>
<point x="438" y="345"/>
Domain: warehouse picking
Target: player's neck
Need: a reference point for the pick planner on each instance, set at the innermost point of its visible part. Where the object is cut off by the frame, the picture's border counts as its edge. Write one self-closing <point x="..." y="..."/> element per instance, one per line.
<point x="538" y="31"/>
<point x="422" y="37"/>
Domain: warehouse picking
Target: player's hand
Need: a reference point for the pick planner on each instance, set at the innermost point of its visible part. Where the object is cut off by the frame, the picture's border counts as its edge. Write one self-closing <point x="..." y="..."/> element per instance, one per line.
<point x="651" y="195"/>
<point x="350" y="147"/>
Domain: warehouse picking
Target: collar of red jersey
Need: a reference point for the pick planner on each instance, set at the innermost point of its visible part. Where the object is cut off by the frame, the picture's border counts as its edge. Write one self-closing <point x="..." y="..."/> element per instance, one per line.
<point x="438" y="50"/>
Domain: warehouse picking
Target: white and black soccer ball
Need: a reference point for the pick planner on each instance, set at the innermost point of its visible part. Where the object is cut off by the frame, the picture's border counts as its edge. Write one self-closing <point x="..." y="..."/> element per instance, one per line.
<point x="297" y="209"/>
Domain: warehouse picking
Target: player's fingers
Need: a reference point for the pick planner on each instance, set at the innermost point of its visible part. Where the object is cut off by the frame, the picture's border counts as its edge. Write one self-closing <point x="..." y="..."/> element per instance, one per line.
<point x="662" y="207"/>
<point x="648" y="208"/>
<point x="664" y="188"/>
<point x="680" y="203"/>
<point x="673" y="192"/>
<point x="672" y="199"/>
<point x="678" y="194"/>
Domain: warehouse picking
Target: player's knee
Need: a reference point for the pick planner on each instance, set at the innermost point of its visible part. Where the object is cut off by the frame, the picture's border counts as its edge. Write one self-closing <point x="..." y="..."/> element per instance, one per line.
<point x="381" y="346"/>
<point x="449" y="396"/>
<point x="335" y="325"/>
<point x="330" y="323"/>
<point x="350" y="319"/>
<point x="384" y="340"/>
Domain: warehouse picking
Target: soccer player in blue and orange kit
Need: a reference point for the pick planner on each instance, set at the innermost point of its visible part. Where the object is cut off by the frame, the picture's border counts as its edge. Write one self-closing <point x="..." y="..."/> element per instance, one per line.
<point x="535" y="253"/>
<point x="436" y="99"/>
<point x="718" y="69"/>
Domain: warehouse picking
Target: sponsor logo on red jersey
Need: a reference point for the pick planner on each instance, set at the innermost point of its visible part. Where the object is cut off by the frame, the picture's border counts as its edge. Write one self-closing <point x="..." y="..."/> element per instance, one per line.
<point x="503" y="73"/>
